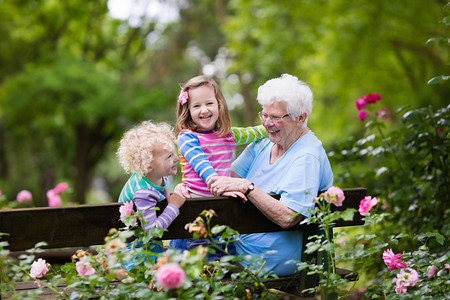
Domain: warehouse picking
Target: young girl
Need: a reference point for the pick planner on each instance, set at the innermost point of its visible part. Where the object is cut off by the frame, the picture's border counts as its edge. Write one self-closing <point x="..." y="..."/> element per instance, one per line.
<point x="148" y="151"/>
<point x="206" y="141"/>
<point x="205" y="138"/>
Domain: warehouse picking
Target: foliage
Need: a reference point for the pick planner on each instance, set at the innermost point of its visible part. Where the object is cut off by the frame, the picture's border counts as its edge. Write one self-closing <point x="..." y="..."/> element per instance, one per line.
<point x="70" y="83"/>
<point x="365" y="253"/>
<point x="443" y="42"/>
<point x="373" y="45"/>
<point x="118" y="72"/>
<point x="407" y="168"/>
<point x="99" y="276"/>
<point x="72" y="113"/>
<point x="24" y="199"/>
<point x="340" y="48"/>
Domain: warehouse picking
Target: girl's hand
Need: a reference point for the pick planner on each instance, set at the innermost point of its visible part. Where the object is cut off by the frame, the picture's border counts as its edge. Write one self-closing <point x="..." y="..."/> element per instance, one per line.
<point x="182" y="191"/>
<point x="175" y="199"/>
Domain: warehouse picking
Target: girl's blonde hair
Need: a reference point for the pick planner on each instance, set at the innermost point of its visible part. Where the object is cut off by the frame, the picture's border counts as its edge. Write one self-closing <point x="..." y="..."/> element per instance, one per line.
<point x="136" y="147"/>
<point x="184" y="119"/>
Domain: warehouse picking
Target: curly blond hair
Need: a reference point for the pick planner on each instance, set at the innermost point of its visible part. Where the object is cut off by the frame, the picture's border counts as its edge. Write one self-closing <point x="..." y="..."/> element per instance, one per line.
<point x="136" y="147"/>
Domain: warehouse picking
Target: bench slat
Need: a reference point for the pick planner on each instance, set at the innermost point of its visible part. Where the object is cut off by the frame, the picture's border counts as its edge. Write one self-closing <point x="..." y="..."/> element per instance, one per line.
<point x="86" y="225"/>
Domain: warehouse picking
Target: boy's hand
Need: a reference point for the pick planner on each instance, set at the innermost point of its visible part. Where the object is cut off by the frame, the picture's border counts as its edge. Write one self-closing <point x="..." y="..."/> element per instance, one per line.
<point x="175" y="199"/>
<point x="182" y="191"/>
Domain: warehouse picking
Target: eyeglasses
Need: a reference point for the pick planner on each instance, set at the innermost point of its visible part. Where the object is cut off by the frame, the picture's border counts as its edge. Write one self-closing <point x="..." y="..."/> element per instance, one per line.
<point x="275" y="119"/>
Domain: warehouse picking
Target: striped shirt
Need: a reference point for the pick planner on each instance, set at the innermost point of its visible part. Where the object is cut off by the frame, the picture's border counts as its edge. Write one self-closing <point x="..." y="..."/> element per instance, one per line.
<point x="146" y="196"/>
<point x="206" y="154"/>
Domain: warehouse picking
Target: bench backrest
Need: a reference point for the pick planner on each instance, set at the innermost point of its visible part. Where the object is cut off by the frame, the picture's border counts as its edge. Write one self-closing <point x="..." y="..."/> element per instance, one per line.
<point x="87" y="225"/>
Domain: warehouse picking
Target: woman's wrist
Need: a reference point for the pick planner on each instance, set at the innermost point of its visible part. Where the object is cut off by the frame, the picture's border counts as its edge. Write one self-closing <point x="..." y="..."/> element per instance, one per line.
<point x="249" y="187"/>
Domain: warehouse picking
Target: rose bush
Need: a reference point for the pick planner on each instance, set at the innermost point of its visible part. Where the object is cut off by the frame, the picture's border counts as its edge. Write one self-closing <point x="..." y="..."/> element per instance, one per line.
<point x="366" y="204"/>
<point x="168" y="275"/>
<point x="405" y="169"/>
<point x="25" y="198"/>
<point x="410" y="275"/>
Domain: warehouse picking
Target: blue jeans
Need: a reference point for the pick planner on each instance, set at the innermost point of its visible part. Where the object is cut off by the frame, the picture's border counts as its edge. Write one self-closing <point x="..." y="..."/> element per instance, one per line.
<point x="157" y="248"/>
<point x="188" y="244"/>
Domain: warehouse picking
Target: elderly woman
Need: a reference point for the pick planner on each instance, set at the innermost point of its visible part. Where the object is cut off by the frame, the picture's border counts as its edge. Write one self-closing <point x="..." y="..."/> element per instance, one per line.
<point x="291" y="163"/>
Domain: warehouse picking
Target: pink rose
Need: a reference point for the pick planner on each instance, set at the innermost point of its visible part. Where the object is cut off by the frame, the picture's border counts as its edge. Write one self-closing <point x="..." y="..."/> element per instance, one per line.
<point x="38" y="268"/>
<point x="383" y="114"/>
<point x="126" y="209"/>
<point x="366" y="204"/>
<point x="60" y="187"/>
<point x="373" y="98"/>
<point x="400" y="287"/>
<point x="361" y="103"/>
<point x="393" y="261"/>
<point x="170" y="276"/>
<point x="362" y="115"/>
<point x="53" y="198"/>
<point x="406" y="277"/>
<point x="24" y="196"/>
<point x="334" y="195"/>
<point x="432" y="271"/>
<point x="84" y="268"/>
<point x="341" y="241"/>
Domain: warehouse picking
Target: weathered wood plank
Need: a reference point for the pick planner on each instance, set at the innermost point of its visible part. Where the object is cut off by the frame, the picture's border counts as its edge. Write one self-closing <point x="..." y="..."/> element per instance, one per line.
<point x="86" y="225"/>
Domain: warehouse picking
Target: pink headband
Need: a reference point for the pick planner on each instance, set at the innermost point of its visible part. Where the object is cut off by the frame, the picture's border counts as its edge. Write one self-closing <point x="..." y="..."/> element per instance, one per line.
<point x="183" y="97"/>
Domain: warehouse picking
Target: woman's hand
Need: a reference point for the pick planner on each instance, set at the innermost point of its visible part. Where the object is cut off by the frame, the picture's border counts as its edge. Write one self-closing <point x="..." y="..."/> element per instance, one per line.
<point x="221" y="184"/>
<point x="235" y="195"/>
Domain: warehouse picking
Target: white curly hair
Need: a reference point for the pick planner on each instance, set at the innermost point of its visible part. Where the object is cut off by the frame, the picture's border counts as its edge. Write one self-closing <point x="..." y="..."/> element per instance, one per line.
<point x="288" y="88"/>
<point x="136" y="147"/>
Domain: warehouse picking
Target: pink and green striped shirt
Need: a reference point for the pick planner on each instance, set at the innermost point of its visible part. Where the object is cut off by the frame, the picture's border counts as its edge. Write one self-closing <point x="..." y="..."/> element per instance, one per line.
<point x="206" y="154"/>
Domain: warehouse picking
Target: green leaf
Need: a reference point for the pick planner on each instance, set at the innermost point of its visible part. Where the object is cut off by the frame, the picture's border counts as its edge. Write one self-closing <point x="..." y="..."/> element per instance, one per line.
<point x="402" y="235"/>
<point x="434" y="39"/>
<point x="438" y="79"/>
<point x="312" y="247"/>
<point x="347" y="215"/>
<point x="446" y="20"/>
<point x="381" y="171"/>
<point x="218" y="229"/>
<point x="439" y="237"/>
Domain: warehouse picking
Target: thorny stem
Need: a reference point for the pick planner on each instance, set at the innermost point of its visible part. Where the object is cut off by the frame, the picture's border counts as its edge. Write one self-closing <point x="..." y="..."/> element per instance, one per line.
<point x="383" y="138"/>
<point x="325" y="207"/>
<point x="257" y="280"/>
<point x="50" y="287"/>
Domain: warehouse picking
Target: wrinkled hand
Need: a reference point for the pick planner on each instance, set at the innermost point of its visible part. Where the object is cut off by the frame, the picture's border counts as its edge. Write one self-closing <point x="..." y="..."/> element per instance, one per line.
<point x="175" y="199"/>
<point x="182" y="191"/>
<point x="235" y="195"/>
<point x="221" y="184"/>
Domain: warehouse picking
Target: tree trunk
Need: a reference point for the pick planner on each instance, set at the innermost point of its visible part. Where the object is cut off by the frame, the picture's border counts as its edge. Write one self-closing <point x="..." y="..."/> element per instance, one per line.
<point x="249" y="104"/>
<point x="90" y="145"/>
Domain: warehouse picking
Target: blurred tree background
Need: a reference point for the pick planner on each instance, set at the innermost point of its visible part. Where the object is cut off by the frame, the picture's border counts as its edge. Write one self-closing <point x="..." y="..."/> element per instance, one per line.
<point x="74" y="77"/>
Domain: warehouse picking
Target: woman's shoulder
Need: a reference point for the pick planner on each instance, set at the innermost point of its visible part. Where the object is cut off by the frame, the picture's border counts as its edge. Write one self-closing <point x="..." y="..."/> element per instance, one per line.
<point x="259" y="146"/>
<point x="309" y="144"/>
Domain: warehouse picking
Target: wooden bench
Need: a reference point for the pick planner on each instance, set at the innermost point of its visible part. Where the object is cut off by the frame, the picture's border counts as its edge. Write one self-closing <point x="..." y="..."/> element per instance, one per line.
<point x="86" y="225"/>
